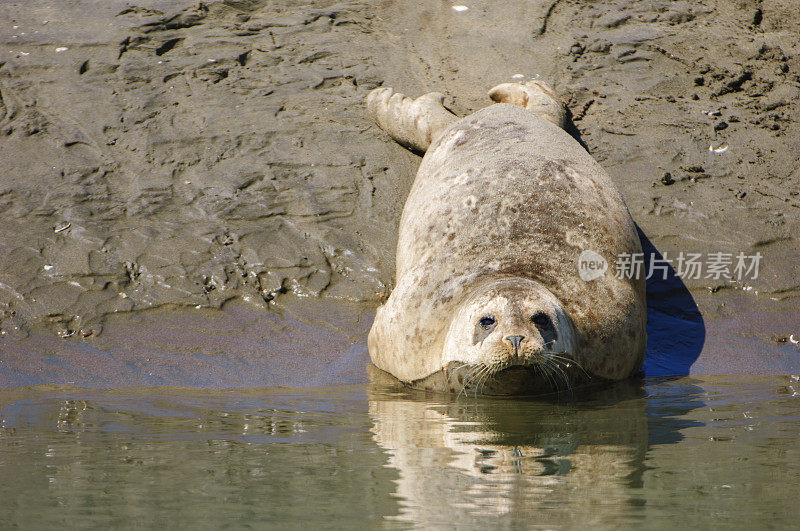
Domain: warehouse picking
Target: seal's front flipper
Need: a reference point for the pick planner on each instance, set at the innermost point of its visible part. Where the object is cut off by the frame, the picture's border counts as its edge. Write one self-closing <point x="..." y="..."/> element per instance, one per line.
<point x="535" y="96"/>
<point x="415" y="124"/>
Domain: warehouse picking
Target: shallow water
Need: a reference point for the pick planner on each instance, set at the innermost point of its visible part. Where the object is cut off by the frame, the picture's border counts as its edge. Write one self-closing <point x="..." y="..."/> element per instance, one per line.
<point x="679" y="452"/>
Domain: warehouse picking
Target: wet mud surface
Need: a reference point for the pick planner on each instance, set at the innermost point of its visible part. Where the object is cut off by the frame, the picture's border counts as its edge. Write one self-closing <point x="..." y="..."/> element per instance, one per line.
<point x="192" y="194"/>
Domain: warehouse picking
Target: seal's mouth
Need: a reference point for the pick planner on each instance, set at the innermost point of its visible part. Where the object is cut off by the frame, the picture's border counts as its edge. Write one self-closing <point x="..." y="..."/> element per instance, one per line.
<point x="518" y="377"/>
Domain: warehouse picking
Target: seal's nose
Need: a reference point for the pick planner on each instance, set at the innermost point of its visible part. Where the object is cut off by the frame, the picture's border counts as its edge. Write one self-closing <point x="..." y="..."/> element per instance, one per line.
<point x="515" y="340"/>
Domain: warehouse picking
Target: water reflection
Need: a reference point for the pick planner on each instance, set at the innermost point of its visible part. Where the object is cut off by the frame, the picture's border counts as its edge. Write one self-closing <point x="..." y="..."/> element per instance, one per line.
<point x="667" y="452"/>
<point x="190" y="458"/>
<point x="462" y="461"/>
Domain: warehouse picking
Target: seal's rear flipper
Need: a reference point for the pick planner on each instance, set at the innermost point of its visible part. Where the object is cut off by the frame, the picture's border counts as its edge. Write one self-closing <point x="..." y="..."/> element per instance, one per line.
<point x="415" y="124"/>
<point x="535" y="96"/>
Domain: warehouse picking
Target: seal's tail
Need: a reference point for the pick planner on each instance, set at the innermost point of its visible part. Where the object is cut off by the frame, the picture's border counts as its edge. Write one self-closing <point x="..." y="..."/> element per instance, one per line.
<point x="415" y="124"/>
<point x="535" y="96"/>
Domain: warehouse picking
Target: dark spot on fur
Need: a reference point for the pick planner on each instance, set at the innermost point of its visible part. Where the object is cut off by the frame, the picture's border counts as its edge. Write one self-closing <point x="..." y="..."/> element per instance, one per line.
<point x="460" y="379"/>
<point x="528" y="271"/>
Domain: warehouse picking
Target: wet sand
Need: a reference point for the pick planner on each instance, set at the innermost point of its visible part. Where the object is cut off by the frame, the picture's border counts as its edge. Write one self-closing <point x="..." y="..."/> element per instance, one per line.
<point x="192" y="194"/>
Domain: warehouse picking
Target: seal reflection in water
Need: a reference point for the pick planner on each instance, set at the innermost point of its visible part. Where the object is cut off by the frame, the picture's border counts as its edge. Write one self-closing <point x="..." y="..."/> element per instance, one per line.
<point x="488" y="298"/>
<point x="520" y="458"/>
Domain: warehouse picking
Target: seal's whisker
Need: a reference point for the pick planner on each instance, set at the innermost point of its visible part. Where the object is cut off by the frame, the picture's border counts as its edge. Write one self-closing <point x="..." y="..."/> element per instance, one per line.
<point x="490" y="371"/>
<point x="555" y="376"/>
<point x="560" y="371"/>
<point x="469" y="377"/>
<point x="553" y="366"/>
<point x="476" y="379"/>
<point x="487" y="373"/>
<point x="471" y="370"/>
<point x="549" y="375"/>
<point x="559" y="358"/>
<point x="463" y="390"/>
<point x="560" y="376"/>
<point x="541" y="369"/>
<point x="473" y="377"/>
<point x="477" y="369"/>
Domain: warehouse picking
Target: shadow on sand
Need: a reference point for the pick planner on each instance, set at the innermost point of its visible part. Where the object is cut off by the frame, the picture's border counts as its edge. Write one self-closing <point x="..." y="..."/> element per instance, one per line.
<point x="675" y="329"/>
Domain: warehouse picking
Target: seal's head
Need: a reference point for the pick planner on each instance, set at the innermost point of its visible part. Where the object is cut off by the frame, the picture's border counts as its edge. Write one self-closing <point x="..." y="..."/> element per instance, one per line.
<point x="508" y="336"/>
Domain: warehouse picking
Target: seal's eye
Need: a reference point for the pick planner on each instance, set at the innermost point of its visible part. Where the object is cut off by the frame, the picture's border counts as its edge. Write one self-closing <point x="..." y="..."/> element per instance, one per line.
<point x="541" y="320"/>
<point x="487" y="322"/>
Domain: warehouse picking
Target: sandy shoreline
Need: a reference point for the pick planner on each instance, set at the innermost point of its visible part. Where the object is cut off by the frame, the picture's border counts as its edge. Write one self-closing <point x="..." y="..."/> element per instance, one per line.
<point x="184" y="156"/>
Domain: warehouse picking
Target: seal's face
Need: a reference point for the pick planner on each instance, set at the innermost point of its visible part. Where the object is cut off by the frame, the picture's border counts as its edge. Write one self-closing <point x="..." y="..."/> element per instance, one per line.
<point x="508" y="333"/>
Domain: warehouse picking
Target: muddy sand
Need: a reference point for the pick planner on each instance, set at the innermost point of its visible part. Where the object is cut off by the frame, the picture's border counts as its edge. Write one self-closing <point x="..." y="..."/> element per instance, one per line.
<point x="192" y="193"/>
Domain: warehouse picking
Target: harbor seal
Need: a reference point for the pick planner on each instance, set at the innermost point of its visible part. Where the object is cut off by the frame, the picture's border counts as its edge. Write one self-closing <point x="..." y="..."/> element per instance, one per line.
<point x="488" y="296"/>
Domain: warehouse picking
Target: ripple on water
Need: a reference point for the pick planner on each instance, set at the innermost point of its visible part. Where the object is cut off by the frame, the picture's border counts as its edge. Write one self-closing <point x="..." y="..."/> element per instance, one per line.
<point x="680" y="451"/>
